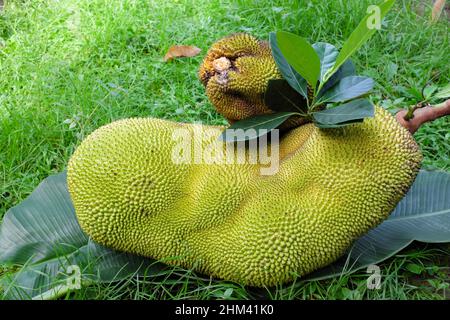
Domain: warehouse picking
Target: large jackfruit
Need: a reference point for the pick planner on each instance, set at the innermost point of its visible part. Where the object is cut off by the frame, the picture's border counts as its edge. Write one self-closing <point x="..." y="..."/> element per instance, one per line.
<point x="228" y="220"/>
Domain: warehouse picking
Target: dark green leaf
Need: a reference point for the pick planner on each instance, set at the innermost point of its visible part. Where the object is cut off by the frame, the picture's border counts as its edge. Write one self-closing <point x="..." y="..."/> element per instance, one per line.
<point x="292" y="77"/>
<point x="359" y="36"/>
<point x="300" y="55"/>
<point x="280" y="96"/>
<point x="42" y="233"/>
<point x="346" y="70"/>
<point x="345" y="114"/>
<point x="254" y="127"/>
<point x="348" y="88"/>
<point x="422" y="215"/>
<point x="327" y="55"/>
<point x="338" y="125"/>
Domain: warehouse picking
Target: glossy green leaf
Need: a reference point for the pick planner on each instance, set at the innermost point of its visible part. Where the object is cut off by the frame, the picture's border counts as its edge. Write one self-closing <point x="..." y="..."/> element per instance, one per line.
<point x="360" y="35"/>
<point x="348" y="88"/>
<point x="254" y="127"/>
<point x="422" y="215"/>
<point x="345" y="114"/>
<point x="280" y="96"/>
<point x="292" y="77"/>
<point x="346" y="70"/>
<point x="327" y="55"/>
<point x="300" y="55"/>
<point x="43" y="235"/>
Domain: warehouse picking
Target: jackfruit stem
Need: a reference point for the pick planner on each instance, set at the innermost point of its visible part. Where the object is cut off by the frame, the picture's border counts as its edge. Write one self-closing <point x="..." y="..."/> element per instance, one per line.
<point x="410" y="111"/>
<point x="414" y="117"/>
<point x="221" y="64"/>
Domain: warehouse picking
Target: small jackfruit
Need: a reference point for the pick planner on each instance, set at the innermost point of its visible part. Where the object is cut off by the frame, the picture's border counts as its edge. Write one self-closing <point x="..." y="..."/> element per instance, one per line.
<point x="236" y="72"/>
<point x="228" y="220"/>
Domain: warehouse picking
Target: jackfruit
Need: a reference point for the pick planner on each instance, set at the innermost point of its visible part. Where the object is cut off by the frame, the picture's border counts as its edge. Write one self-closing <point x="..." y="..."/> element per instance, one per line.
<point x="228" y="220"/>
<point x="236" y="72"/>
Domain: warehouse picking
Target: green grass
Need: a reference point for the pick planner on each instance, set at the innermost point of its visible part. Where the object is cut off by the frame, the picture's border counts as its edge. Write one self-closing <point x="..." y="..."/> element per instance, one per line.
<point x="68" y="67"/>
<point x="413" y="274"/>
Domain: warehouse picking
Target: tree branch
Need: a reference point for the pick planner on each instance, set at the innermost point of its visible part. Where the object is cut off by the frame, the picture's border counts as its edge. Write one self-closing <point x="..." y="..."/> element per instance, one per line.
<point x="422" y="115"/>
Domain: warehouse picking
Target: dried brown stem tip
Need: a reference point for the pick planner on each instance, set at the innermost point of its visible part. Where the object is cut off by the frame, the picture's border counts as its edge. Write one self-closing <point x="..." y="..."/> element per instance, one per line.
<point x="221" y="64"/>
<point x="422" y="115"/>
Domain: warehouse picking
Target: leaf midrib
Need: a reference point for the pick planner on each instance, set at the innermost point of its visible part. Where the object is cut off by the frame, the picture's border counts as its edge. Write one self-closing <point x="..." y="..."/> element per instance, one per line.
<point x="424" y="215"/>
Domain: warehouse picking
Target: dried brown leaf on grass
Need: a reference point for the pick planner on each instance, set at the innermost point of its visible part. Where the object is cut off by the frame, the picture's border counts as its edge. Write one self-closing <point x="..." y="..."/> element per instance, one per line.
<point x="181" y="51"/>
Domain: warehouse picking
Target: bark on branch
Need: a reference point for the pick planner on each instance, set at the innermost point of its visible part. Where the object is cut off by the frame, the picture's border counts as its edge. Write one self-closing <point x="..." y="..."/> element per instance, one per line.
<point x="422" y="115"/>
